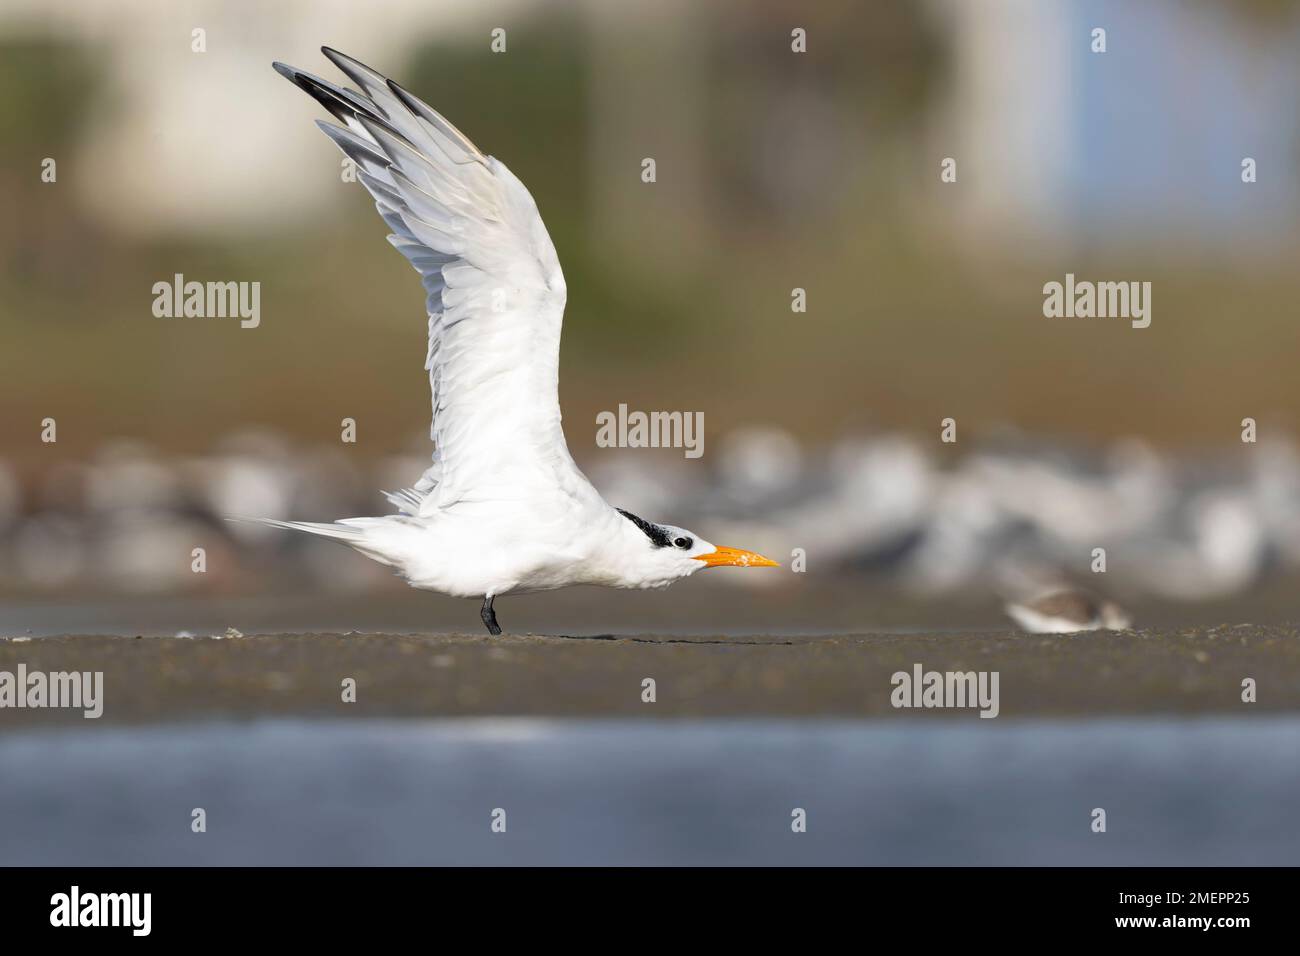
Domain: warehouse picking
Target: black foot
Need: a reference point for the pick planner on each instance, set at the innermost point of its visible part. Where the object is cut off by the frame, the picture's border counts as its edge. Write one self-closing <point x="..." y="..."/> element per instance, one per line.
<point x="490" y="617"/>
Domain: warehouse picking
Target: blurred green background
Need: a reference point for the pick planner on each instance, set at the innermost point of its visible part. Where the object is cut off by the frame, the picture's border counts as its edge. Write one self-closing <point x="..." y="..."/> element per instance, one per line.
<point x="776" y="170"/>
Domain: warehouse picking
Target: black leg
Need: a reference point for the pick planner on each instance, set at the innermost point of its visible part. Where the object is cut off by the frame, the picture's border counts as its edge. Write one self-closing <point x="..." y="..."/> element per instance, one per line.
<point x="490" y="616"/>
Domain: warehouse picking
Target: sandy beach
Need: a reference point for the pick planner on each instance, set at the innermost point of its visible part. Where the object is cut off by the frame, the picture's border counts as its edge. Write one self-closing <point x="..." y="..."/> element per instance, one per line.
<point x="1142" y="673"/>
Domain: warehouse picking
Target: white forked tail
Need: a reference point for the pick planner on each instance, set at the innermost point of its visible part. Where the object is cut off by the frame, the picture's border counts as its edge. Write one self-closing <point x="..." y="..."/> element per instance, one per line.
<point x="333" y="529"/>
<point x="354" y="532"/>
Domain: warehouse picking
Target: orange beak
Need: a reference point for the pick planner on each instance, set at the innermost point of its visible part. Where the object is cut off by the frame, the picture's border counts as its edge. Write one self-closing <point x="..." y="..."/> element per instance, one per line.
<point x="734" y="557"/>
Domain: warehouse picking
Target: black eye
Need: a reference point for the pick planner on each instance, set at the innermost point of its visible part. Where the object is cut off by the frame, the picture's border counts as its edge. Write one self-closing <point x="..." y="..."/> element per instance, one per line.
<point x="683" y="543"/>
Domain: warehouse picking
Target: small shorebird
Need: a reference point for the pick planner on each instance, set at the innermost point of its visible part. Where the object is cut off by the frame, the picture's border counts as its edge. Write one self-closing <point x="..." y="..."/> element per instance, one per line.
<point x="1066" y="611"/>
<point x="503" y="507"/>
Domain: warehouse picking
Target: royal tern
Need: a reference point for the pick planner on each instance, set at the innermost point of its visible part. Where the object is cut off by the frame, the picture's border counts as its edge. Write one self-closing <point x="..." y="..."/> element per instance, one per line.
<point x="503" y="507"/>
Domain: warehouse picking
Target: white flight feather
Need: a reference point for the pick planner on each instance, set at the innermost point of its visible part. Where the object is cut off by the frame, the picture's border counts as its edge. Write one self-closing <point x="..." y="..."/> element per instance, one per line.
<point x="495" y="296"/>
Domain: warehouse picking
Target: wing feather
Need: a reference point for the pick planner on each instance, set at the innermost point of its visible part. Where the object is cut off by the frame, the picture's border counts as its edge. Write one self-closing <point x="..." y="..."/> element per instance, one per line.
<point x="494" y="290"/>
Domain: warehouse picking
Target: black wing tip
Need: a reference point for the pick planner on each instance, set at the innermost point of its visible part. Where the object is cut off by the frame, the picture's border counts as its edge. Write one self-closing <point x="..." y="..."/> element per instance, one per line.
<point x="284" y="69"/>
<point x="339" y="101"/>
<point x="348" y="64"/>
<point x="298" y="77"/>
<point x="409" y="100"/>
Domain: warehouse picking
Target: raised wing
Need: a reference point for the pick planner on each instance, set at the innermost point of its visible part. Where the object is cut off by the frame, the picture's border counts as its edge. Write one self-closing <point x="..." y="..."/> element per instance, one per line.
<point x="495" y="290"/>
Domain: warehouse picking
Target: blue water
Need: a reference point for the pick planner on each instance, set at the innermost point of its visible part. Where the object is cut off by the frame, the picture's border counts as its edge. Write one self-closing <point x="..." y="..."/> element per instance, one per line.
<point x="1212" y="791"/>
